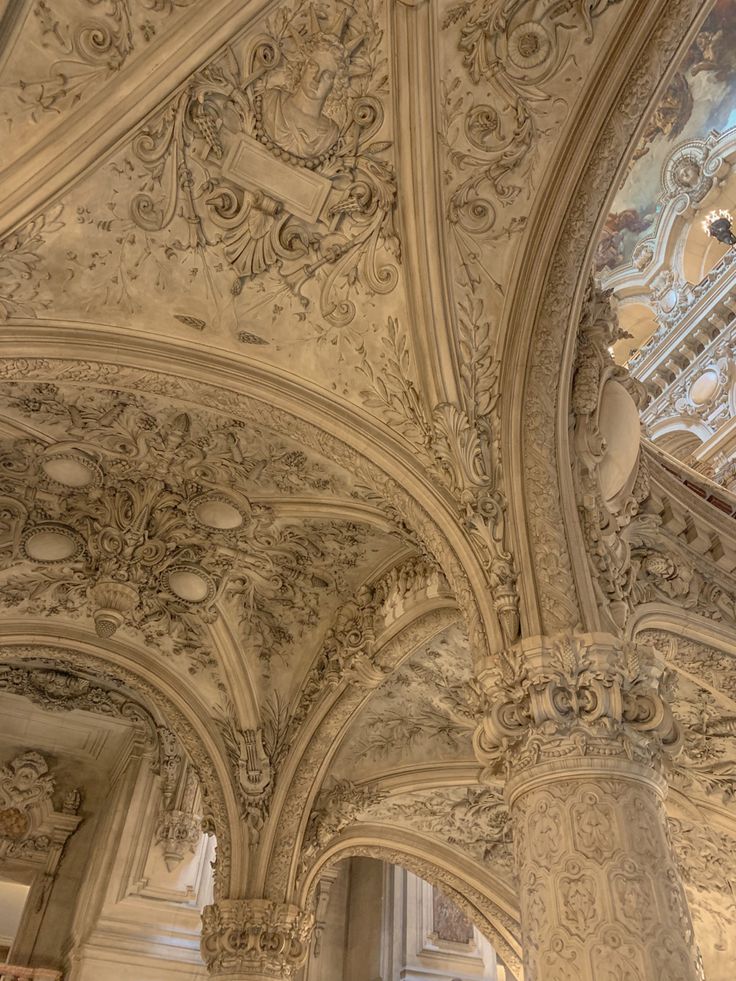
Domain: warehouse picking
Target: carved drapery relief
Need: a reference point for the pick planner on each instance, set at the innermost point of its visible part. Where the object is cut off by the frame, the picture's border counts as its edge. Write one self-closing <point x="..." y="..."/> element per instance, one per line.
<point x="255" y="938"/>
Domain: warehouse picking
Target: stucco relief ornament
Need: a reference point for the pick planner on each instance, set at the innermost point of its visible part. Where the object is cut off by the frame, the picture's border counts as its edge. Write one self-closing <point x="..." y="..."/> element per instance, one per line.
<point x="513" y="51"/>
<point x="611" y="478"/>
<point x="270" y="154"/>
<point x="255" y="938"/>
<point x="575" y="696"/>
<point x="303" y="115"/>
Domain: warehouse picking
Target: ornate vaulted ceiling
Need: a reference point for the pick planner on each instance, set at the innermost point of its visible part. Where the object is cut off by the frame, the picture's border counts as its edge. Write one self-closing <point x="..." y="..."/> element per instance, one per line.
<point x="268" y="276"/>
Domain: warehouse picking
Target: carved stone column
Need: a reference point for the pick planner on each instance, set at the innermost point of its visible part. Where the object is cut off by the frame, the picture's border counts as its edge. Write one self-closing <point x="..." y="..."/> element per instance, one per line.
<point x="578" y="726"/>
<point x="254" y="940"/>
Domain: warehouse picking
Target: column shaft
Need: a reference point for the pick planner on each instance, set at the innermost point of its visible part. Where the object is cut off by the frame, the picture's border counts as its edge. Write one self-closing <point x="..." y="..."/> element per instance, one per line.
<point x="601" y="897"/>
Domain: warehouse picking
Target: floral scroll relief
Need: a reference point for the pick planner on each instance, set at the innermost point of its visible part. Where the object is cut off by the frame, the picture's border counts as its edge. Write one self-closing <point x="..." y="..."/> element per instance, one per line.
<point x="143" y="515"/>
<point x="85" y="47"/>
<point x="514" y="53"/>
<point x="270" y="157"/>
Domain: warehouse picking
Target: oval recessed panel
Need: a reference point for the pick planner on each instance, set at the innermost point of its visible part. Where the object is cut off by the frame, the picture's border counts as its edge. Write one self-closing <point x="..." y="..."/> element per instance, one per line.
<point x="704" y="388"/>
<point x="219" y="514"/>
<point x="618" y="422"/>
<point x="190" y="584"/>
<point x="51" y="544"/>
<point x="71" y="471"/>
<point x="669" y="301"/>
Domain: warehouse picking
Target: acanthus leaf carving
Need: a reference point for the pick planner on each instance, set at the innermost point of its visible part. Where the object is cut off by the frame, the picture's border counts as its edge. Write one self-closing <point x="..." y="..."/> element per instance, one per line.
<point x="85" y="46"/>
<point x="460" y="445"/>
<point x="255" y="937"/>
<point x="575" y="695"/>
<point x="337" y="807"/>
<point x="605" y="511"/>
<point x="513" y="53"/>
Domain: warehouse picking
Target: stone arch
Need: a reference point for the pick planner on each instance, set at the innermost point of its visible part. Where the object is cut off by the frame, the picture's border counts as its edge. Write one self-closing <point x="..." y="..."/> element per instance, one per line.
<point x="487" y="901"/>
<point x="352" y="438"/>
<point x="158" y="692"/>
<point x="683" y="623"/>
<point x="308" y="763"/>
<point x="557" y="592"/>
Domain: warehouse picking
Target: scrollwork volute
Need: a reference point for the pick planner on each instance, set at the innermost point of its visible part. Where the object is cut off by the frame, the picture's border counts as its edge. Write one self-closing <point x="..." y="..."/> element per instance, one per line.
<point x="255" y="939"/>
<point x="575" y="696"/>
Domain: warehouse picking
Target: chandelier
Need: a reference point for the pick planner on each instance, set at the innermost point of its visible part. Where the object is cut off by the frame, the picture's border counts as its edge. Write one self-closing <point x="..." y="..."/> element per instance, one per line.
<point x="718" y="226"/>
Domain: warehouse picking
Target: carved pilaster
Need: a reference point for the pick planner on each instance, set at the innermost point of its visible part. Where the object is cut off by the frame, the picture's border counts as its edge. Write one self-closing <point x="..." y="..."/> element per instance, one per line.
<point x="254" y="939"/>
<point x="578" y="727"/>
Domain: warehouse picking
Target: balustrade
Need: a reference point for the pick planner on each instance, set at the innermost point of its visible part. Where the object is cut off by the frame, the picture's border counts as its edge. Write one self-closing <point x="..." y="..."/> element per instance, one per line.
<point x="13" y="972"/>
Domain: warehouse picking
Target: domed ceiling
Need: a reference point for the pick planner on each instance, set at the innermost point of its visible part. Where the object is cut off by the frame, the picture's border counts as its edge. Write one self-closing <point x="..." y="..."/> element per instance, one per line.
<point x="202" y="538"/>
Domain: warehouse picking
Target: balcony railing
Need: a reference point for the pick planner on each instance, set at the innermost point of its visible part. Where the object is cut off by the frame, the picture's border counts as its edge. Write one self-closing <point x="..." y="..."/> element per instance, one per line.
<point x="11" y="972"/>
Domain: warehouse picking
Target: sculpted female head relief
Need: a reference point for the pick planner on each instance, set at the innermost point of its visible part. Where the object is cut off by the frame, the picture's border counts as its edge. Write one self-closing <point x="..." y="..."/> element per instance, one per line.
<point x="303" y="103"/>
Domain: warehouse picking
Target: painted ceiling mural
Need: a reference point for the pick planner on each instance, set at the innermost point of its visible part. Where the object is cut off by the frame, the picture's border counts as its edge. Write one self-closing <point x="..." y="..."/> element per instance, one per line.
<point x="700" y="99"/>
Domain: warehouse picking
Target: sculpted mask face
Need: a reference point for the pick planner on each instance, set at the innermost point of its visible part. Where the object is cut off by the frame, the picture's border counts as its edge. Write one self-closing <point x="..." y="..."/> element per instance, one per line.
<point x="688" y="174"/>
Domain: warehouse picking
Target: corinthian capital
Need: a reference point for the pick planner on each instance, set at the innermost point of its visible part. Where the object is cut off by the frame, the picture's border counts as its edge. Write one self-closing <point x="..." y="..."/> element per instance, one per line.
<point x="254" y="938"/>
<point x="582" y="695"/>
